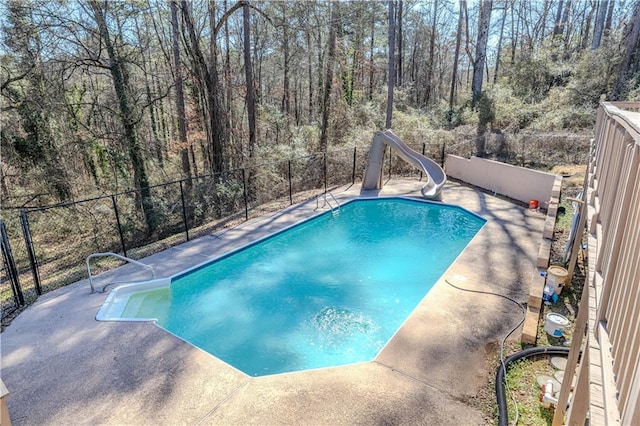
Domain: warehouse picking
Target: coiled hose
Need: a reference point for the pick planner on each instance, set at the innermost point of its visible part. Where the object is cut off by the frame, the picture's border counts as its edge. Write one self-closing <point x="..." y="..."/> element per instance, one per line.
<point x="503" y="417"/>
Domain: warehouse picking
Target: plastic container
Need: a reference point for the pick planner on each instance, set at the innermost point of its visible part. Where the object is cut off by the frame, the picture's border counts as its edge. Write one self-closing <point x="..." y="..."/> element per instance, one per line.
<point x="533" y="204"/>
<point x="557" y="278"/>
<point x="555" y="324"/>
<point x="548" y="296"/>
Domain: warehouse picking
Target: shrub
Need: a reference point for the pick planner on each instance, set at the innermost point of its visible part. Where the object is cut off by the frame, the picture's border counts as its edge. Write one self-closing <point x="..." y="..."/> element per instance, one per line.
<point x="594" y="77"/>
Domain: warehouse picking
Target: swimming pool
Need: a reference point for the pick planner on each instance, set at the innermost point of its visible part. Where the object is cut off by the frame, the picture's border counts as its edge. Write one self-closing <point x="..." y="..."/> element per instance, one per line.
<point x="331" y="290"/>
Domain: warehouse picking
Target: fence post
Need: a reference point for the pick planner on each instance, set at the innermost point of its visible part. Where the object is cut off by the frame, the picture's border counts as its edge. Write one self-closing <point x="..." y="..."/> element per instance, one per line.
<point x="389" y="163"/>
<point x="244" y="192"/>
<point x="115" y="210"/>
<point x="14" y="277"/>
<point x="184" y="212"/>
<point x="424" y="146"/>
<point x="324" y="170"/>
<point x="30" y="251"/>
<point x="444" y="144"/>
<point x="290" y="188"/>
<point x="353" y="171"/>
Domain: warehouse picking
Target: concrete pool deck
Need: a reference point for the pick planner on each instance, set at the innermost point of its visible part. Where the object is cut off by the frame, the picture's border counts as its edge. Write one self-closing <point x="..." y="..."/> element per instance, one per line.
<point x="61" y="366"/>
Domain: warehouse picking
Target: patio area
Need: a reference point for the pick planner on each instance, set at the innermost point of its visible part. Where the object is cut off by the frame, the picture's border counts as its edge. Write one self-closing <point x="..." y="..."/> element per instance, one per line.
<point x="61" y="366"/>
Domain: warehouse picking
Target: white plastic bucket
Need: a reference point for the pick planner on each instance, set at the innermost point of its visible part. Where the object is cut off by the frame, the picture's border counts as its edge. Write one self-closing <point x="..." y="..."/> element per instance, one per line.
<point x="555" y="324"/>
<point x="556" y="278"/>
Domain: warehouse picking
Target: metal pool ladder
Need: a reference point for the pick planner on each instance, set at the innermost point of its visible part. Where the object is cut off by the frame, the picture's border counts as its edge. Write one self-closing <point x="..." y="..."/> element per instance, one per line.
<point x="335" y="210"/>
<point x="126" y="259"/>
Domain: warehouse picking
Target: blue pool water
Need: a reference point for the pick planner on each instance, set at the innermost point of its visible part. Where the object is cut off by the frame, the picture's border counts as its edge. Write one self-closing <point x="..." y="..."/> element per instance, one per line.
<point x="326" y="292"/>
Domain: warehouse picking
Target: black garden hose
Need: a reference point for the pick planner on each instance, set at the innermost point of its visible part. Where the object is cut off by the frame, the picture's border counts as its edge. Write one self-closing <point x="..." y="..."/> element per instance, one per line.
<point x="503" y="418"/>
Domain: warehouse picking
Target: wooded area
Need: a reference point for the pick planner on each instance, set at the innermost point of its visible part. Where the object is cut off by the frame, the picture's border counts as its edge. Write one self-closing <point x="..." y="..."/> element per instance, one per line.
<point x="101" y="96"/>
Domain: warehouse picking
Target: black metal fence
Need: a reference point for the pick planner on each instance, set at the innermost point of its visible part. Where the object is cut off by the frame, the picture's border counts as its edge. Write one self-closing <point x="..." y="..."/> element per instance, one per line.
<point x="49" y="244"/>
<point x="11" y="297"/>
<point x="532" y="150"/>
<point x="53" y="241"/>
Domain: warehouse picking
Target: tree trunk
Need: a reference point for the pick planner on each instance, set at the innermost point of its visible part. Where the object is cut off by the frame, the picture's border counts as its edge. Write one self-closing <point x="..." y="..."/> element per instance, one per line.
<point x="320" y="51"/>
<point x="587" y="29"/>
<point x="165" y="132"/>
<point x="432" y="45"/>
<point x="400" y="46"/>
<point x="296" y="101"/>
<point x="248" y="73"/>
<point x="566" y="29"/>
<point x="504" y="18"/>
<point x="202" y="80"/>
<point x="182" y="121"/>
<point x="413" y="66"/>
<point x="514" y="34"/>
<point x="598" y="27"/>
<point x="210" y="91"/>
<point x="215" y="96"/>
<point x="145" y="64"/>
<point x="558" y="27"/>
<point x="543" y="21"/>
<point x="633" y="47"/>
<point x="353" y="66"/>
<point x="326" y="103"/>
<point x="228" y="85"/>
<point x="371" y="57"/>
<point x="127" y="117"/>
<point x="456" y="55"/>
<point x="310" y="74"/>
<point x="286" y="102"/>
<point x="391" y="74"/>
<point x="607" y="25"/>
<point x="565" y="18"/>
<point x="481" y="49"/>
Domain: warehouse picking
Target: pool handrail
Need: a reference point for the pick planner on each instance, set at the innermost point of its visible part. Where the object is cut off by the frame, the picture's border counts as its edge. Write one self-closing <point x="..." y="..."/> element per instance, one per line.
<point x="334" y="210"/>
<point x="126" y="259"/>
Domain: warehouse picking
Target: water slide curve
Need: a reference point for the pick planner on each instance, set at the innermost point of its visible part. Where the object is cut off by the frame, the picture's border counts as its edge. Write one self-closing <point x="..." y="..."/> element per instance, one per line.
<point x="434" y="174"/>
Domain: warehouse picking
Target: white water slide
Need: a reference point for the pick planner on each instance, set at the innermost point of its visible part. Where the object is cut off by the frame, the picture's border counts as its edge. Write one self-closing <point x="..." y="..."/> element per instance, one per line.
<point x="434" y="174"/>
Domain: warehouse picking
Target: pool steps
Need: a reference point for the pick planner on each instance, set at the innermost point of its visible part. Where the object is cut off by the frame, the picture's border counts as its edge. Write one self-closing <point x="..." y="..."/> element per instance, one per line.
<point x="113" y="308"/>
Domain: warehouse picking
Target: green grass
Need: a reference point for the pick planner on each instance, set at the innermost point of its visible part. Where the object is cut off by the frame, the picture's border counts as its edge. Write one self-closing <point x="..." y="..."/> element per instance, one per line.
<point x="563" y="221"/>
<point x="523" y="387"/>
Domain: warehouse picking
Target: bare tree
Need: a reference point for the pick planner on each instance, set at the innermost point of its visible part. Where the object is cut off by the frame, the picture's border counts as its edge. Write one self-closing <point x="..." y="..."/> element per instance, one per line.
<point x="484" y="22"/>
<point x="499" y="51"/>
<point x="390" y="74"/>
<point x="209" y="87"/>
<point x="177" y="62"/>
<point x="598" y="27"/>
<point x="432" y="47"/>
<point x="400" y="45"/>
<point x="248" y="72"/>
<point x="286" y="96"/>
<point x="371" y="56"/>
<point x="456" y="55"/>
<point x="328" y="86"/>
<point x="586" y="27"/>
<point x="564" y="20"/>
<point x="632" y="38"/>
<point x="33" y="101"/>
<point x="558" y="26"/>
<point x="607" y="25"/>
<point x="227" y="78"/>
<point x="127" y="115"/>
